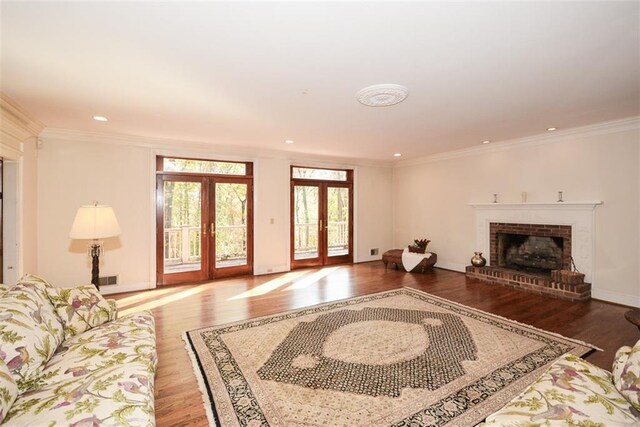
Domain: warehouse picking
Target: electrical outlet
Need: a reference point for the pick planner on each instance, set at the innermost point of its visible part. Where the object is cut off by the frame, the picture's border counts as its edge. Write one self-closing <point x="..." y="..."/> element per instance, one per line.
<point x="374" y="251"/>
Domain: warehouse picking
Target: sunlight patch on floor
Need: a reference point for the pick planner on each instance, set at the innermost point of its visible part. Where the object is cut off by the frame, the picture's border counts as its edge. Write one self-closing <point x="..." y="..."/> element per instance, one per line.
<point x="311" y="279"/>
<point x="149" y="295"/>
<point x="271" y="285"/>
<point x="163" y="301"/>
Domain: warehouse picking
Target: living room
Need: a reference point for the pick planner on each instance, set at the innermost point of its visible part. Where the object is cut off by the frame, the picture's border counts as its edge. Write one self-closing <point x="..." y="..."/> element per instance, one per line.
<point x="438" y="118"/>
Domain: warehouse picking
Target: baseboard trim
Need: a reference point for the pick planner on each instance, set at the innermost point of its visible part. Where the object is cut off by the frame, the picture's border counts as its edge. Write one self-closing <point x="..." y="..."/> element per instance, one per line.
<point x="125" y="287"/>
<point x="616" y="297"/>
<point x="271" y="269"/>
<point x="451" y="266"/>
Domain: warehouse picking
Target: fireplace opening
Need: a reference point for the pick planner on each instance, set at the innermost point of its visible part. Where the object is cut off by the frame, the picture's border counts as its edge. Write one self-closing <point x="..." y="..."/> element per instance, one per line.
<point x="531" y="254"/>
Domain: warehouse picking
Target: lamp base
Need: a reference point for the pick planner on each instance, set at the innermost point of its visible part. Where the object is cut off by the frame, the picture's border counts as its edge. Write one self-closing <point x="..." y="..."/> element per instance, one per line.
<point x="94" y="251"/>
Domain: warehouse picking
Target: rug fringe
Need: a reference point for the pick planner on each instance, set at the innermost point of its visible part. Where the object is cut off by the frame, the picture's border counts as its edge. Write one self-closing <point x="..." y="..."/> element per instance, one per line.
<point x="201" y="384"/>
<point x="586" y="344"/>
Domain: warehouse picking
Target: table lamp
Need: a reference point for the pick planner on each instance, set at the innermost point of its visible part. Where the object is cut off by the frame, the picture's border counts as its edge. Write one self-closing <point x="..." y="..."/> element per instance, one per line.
<point x="95" y="222"/>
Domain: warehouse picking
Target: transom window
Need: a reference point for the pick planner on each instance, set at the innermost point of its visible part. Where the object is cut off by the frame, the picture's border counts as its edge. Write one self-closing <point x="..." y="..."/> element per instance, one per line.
<point x="320" y="174"/>
<point x="210" y="167"/>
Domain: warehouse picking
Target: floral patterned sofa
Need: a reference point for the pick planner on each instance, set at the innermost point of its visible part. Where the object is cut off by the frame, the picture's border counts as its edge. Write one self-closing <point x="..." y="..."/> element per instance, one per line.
<point x="65" y="360"/>
<point x="575" y="393"/>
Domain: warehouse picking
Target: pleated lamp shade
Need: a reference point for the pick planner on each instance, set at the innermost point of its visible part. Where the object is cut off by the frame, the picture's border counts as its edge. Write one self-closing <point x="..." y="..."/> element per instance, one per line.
<point x="95" y="222"/>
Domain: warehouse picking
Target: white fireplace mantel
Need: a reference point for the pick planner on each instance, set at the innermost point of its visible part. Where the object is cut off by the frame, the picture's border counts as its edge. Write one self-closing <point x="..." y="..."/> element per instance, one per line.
<point x="554" y="205"/>
<point x="579" y="215"/>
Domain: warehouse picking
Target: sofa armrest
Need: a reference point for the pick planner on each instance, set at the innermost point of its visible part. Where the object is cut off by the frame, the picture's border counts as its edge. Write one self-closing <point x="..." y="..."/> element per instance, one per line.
<point x="114" y="306"/>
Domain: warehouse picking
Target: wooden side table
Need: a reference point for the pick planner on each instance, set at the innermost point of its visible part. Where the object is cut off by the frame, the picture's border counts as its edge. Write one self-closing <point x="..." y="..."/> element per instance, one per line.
<point x="633" y="316"/>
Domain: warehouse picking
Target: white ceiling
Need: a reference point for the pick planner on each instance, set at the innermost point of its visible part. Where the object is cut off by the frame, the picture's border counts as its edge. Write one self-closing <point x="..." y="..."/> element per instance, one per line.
<point x="255" y="74"/>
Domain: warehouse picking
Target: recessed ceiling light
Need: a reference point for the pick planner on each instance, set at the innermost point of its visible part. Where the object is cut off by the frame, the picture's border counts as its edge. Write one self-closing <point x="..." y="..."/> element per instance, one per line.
<point x="397" y="154"/>
<point x="486" y="141"/>
<point x="383" y="95"/>
<point x="100" y="118"/>
<point x="289" y="141"/>
<point x="551" y="129"/>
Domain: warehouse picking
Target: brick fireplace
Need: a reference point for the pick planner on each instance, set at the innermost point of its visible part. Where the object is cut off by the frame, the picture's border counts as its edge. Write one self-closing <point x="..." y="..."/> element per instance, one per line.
<point x="525" y="243"/>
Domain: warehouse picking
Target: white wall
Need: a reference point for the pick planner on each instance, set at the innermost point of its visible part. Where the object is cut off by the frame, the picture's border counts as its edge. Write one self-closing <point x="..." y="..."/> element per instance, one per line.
<point x="29" y="207"/>
<point x="71" y="174"/>
<point x="75" y="172"/>
<point x="431" y="199"/>
<point x="373" y="212"/>
<point x="271" y="202"/>
<point x="11" y="220"/>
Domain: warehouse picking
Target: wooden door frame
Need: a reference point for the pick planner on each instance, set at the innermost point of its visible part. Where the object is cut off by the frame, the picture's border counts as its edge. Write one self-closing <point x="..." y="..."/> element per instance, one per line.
<point x="323" y="258"/>
<point x="241" y="269"/>
<point x="189" y="276"/>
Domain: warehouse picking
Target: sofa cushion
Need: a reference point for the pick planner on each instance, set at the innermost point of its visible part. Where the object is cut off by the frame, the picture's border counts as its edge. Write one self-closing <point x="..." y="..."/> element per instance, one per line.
<point x="80" y="308"/>
<point x="571" y="392"/>
<point x="8" y="390"/>
<point x="626" y="373"/>
<point x="32" y="278"/>
<point x="30" y="331"/>
<point x="130" y="339"/>
<point x="106" y="373"/>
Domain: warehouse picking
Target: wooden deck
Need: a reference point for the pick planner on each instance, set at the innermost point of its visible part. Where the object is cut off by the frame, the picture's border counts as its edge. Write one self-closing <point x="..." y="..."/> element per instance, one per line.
<point x="181" y="308"/>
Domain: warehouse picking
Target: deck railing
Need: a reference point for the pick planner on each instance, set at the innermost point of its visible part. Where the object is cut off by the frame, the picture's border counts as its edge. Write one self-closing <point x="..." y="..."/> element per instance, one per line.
<point x="182" y="245"/>
<point x="306" y="236"/>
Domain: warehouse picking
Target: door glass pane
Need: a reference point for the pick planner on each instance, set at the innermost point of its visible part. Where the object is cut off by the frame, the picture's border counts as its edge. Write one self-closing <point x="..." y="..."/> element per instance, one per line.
<point x="305" y="221"/>
<point x="182" y="226"/>
<point x="315" y="173"/>
<point x="203" y="166"/>
<point x="338" y="221"/>
<point x="231" y="224"/>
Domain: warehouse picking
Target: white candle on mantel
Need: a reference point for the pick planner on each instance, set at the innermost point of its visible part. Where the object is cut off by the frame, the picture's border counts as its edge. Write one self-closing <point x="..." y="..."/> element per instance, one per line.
<point x="524" y="197"/>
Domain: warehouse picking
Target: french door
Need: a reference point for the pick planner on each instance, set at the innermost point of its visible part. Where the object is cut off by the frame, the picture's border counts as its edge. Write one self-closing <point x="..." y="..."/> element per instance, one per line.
<point x="321" y="223"/>
<point x="204" y="227"/>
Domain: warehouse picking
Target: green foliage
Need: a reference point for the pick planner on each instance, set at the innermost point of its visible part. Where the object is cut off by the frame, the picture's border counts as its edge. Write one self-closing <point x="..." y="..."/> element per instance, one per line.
<point x="36" y="381"/>
<point x="20" y="408"/>
<point x="45" y="351"/>
<point x="90" y="353"/>
<point x="5" y="396"/>
<point x="595" y="398"/>
<point x="118" y="396"/>
<point x="604" y="385"/>
<point x="121" y="414"/>
<point x="558" y="396"/>
<point x="533" y="403"/>
<point x="102" y="385"/>
<point x="584" y="423"/>
<point x="10" y="337"/>
<point x="83" y="406"/>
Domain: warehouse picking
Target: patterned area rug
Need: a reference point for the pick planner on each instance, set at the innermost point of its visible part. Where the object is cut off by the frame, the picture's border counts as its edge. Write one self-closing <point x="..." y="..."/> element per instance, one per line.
<point x="397" y="358"/>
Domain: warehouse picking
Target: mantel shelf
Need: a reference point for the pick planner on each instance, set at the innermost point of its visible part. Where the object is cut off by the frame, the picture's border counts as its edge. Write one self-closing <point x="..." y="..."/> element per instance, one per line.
<point x="550" y="205"/>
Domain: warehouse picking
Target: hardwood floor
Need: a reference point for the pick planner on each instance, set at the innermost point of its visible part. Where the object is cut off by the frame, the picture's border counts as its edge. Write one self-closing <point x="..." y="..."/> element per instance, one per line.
<point x="182" y="308"/>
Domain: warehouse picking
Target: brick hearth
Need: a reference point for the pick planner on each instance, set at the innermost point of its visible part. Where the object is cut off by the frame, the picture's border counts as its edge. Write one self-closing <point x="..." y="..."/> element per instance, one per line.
<point x="530" y="283"/>
<point x="555" y="283"/>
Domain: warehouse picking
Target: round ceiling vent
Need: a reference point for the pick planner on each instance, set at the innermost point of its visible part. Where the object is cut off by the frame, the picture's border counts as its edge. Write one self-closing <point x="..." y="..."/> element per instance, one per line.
<point x="382" y="95"/>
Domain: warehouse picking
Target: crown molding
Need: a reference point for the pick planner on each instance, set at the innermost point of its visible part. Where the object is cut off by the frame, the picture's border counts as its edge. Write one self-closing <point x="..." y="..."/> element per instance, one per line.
<point x="16" y="121"/>
<point x="603" y="128"/>
<point x="233" y="150"/>
<point x="198" y="146"/>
